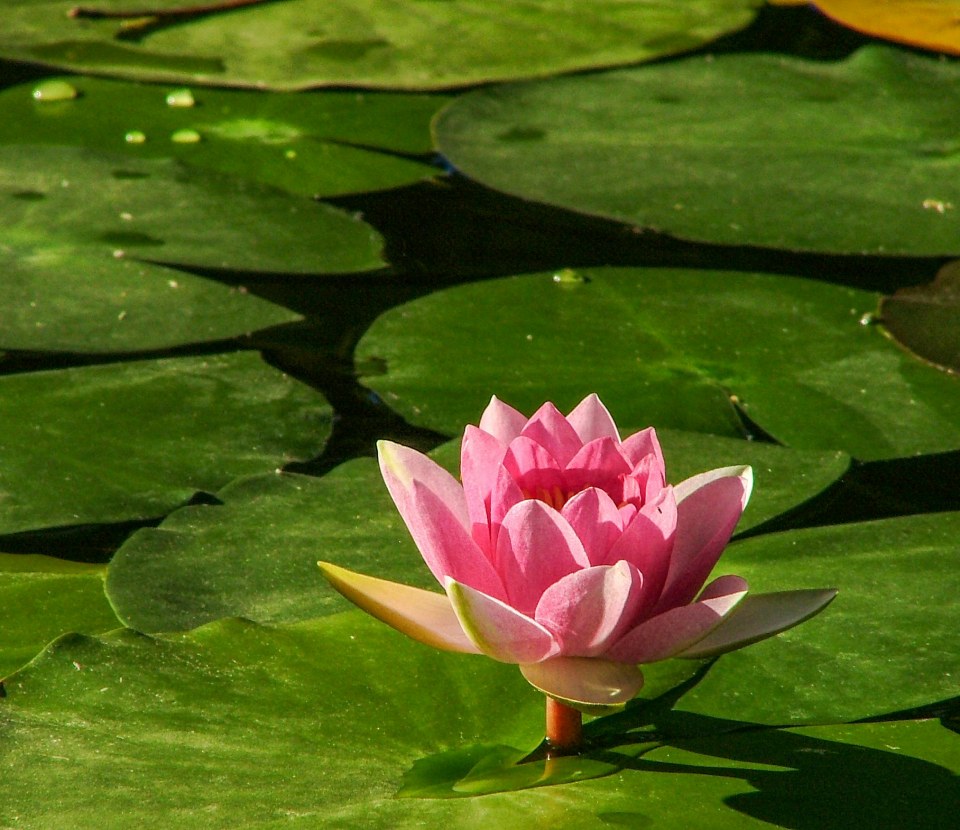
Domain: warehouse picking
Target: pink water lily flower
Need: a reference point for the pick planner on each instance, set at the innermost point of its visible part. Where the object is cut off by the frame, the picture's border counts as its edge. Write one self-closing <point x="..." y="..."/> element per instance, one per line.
<point x="565" y="551"/>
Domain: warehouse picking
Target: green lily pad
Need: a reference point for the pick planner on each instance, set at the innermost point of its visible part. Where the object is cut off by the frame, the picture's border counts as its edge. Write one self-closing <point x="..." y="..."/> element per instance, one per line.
<point x="70" y="299"/>
<point x="43" y="598"/>
<point x="255" y="555"/>
<point x="307" y="43"/>
<point x="116" y="730"/>
<point x="925" y="318"/>
<point x="158" y="209"/>
<point x="134" y="440"/>
<point x="325" y="143"/>
<point x="668" y="348"/>
<point x="746" y="149"/>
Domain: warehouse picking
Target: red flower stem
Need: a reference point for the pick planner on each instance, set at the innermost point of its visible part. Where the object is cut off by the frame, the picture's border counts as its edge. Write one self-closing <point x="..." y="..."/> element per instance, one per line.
<point x="564" y="729"/>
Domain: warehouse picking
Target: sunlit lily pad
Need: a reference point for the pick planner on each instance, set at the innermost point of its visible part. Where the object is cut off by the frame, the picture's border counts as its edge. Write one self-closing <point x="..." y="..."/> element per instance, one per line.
<point x="44" y="597"/>
<point x="926" y="318"/>
<point x="255" y="556"/>
<point x="134" y="440"/>
<point x="325" y="143"/>
<point x="669" y="348"/>
<point x="304" y="43"/>
<point x="118" y="729"/>
<point x="743" y="149"/>
<point x="160" y="210"/>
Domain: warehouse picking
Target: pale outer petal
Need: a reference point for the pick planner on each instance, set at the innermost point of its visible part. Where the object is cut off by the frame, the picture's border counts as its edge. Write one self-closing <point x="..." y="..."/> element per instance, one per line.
<point x="591" y="419"/>
<point x="422" y="615"/>
<point x="502" y="421"/>
<point x="760" y="616"/>
<point x="499" y="631"/>
<point x="587" y="683"/>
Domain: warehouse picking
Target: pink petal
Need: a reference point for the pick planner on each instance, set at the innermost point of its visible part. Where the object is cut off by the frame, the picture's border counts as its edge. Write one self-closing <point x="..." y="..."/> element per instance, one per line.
<point x="641" y="444"/>
<point x="708" y="509"/>
<point x="499" y="631"/>
<point x="598" y="464"/>
<point x="760" y="616"/>
<point x="506" y="493"/>
<point x="422" y="615"/>
<point x="589" y="609"/>
<point x="678" y="629"/>
<point x="502" y="421"/>
<point x="585" y="683"/>
<point x="481" y="456"/>
<point x="535" y="470"/>
<point x="646" y="543"/>
<point x="550" y="430"/>
<point x="591" y="420"/>
<point x="596" y="521"/>
<point x="402" y="466"/>
<point x="536" y="548"/>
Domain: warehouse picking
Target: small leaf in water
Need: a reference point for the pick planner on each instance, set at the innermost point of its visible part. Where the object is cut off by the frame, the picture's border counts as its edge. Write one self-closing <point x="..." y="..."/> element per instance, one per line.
<point x="180" y="98"/>
<point x="186" y="137"/>
<point x="54" y="90"/>
<point x="135" y="137"/>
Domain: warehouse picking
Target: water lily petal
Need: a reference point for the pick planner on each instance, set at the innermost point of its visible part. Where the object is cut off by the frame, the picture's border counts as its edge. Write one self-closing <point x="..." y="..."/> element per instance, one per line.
<point x="502" y="421"/>
<point x="589" y="609"/>
<point x="591" y="420"/>
<point x="760" y="616"/>
<point x="422" y="615"/>
<point x="536" y="547"/>
<point x="550" y="429"/>
<point x="676" y="630"/>
<point x="708" y="509"/>
<point x="596" y="521"/>
<point x="586" y="683"/>
<point x="481" y="457"/>
<point x="536" y="472"/>
<point x="499" y="631"/>
<point x="641" y="444"/>
<point x="598" y="464"/>
<point x="646" y="543"/>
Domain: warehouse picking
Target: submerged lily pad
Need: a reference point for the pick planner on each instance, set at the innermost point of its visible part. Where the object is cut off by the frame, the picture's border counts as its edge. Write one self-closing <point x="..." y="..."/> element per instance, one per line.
<point x="668" y="348"/>
<point x="304" y="43"/>
<point x="134" y="440"/>
<point x="255" y="555"/>
<point x="743" y="149"/>
<point x="118" y="729"/>
<point x="160" y="210"/>
<point x="325" y="143"/>
<point x="926" y="318"/>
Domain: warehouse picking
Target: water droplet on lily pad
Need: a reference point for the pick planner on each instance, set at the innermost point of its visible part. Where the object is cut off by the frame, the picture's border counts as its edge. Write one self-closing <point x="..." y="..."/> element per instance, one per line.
<point x="567" y="276"/>
<point x="186" y="137"/>
<point x="135" y="137"/>
<point x="180" y="98"/>
<point x="54" y="90"/>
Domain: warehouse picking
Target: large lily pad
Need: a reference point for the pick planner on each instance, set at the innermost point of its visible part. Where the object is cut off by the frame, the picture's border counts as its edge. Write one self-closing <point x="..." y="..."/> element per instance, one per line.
<point x="400" y="45"/>
<point x="745" y="149"/>
<point x="158" y="209"/>
<point x="325" y="143"/>
<point x="134" y="440"/>
<point x="71" y="299"/>
<point x="255" y="555"/>
<point x="43" y="598"/>
<point x="113" y="731"/>
<point x="669" y="348"/>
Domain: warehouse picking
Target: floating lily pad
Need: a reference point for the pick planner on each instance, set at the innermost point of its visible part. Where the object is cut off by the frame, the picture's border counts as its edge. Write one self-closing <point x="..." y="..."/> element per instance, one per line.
<point x="668" y="348"/>
<point x="134" y="440"/>
<point x="160" y="210"/>
<point x="43" y="598"/>
<point x="116" y="730"/>
<point x="305" y="43"/>
<point x="926" y="318"/>
<point x="255" y="555"/>
<point x="71" y="299"/>
<point x="325" y="143"/>
<point x="746" y="149"/>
